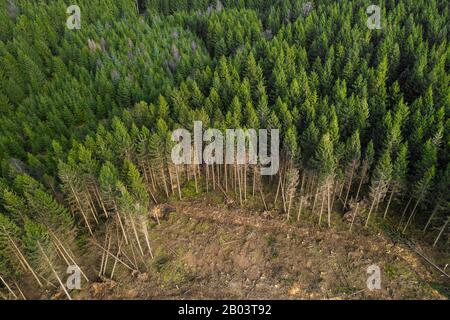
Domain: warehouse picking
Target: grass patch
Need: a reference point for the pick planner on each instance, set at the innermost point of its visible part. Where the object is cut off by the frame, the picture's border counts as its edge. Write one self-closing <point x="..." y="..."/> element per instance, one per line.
<point x="271" y="243"/>
<point x="391" y="270"/>
<point x="344" y="290"/>
<point x="202" y="227"/>
<point x="161" y="260"/>
<point x="441" y="288"/>
<point x="188" y="190"/>
<point x="170" y="271"/>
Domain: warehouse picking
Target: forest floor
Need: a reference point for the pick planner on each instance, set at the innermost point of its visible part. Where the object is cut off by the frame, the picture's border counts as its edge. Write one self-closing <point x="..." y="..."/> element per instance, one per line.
<point x="209" y="251"/>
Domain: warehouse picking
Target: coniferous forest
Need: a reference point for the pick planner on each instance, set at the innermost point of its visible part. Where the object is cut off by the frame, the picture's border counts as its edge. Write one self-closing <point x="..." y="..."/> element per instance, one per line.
<point x="87" y="115"/>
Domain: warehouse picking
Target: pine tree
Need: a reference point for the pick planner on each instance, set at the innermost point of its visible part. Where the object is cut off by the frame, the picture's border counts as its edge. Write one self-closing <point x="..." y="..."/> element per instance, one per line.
<point x="108" y="179"/>
<point x="442" y="199"/>
<point x="76" y="197"/>
<point x="380" y="180"/>
<point x="352" y="158"/>
<point x="399" y="173"/>
<point x="13" y="262"/>
<point x="324" y="163"/>
<point x="45" y="209"/>
<point x="426" y="172"/>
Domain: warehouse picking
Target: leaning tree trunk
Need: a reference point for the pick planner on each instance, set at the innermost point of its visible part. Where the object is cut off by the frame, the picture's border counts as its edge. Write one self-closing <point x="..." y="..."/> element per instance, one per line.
<point x="354" y="216"/>
<point x="404" y="211"/>
<point x="375" y="198"/>
<point x="389" y="202"/>
<point x="22" y="259"/>
<point x="363" y="176"/>
<point x="413" y="211"/>
<point x="8" y="287"/>
<point x="349" y="184"/>
<point x="54" y="271"/>
<point x="435" y="210"/>
<point x="329" y="204"/>
<point x="300" y="208"/>
<point x="321" y="207"/>
<point x="440" y="233"/>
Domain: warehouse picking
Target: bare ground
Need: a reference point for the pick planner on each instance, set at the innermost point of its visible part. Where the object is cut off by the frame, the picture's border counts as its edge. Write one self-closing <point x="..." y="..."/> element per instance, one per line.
<point x="210" y="252"/>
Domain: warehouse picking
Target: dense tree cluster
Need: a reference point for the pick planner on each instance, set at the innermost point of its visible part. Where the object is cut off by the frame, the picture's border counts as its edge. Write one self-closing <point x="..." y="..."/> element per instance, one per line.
<point x="86" y="118"/>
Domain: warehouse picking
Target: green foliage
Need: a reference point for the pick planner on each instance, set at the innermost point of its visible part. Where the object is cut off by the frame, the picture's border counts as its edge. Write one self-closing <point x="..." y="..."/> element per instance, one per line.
<point x="9" y="231"/>
<point x="324" y="160"/>
<point x="86" y="115"/>
<point x="43" y="207"/>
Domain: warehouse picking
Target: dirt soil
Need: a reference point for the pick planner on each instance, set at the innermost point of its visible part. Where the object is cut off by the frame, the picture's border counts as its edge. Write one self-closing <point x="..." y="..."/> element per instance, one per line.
<point x="210" y="252"/>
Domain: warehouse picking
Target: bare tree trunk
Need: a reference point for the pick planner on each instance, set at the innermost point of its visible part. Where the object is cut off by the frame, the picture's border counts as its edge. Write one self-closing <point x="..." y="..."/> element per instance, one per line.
<point x="235" y="179"/>
<point x="207" y="177"/>
<point x="303" y="181"/>
<point x="170" y="179"/>
<point x="245" y="182"/>
<point x="100" y="200"/>
<point x="134" y="256"/>
<point x="283" y="196"/>
<point x="114" y="256"/>
<point x="68" y="253"/>
<point x="300" y="208"/>
<point x="116" y="209"/>
<point x="440" y="232"/>
<point x="116" y="259"/>
<point x="147" y="182"/>
<point x="226" y="177"/>
<point x="54" y="272"/>
<point x="9" y="288"/>
<point x="187" y="173"/>
<point x="315" y="199"/>
<point x="262" y="197"/>
<point x="152" y="178"/>
<point x="373" y="203"/>
<point x="329" y="204"/>
<point x="106" y="258"/>
<point x="349" y="184"/>
<point x="20" y="291"/>
<point x="333" y="197"/>
<point x="254" y="181"/>
<point x="404" y="211"/>
<point x="218" y="174"/>
<point x="22" y="258"/>
<point x="354" y="216"/>
<point x="278" y="190"/>
<point x="195" y="180"/>
<point x="389" y="202"/>
<point x="342" y="189"/>
<point x="311" y="183"/>
<point x="178" y="182"/>
<point x="413" y="211"/>
<point x="213" y="177"/>
<point x="145" y="232"/>
<point x="363" y="176"/>
<point x="164" y="181"/>
<point x="436" y="207"/>
<point x="321" y="207"/>
<point x="81" y="210"/>
<point x="92" y="207"/>
<point x="289" y="207"/>
<point x="136" y="236"/>
<point x="239" y="184"/>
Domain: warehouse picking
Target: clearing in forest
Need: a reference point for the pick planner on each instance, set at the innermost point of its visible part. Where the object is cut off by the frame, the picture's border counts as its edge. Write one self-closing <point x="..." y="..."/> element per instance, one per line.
<point x="205" y="251"/>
